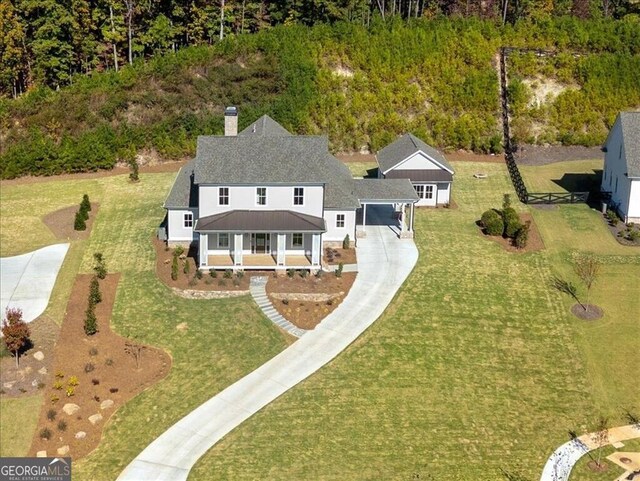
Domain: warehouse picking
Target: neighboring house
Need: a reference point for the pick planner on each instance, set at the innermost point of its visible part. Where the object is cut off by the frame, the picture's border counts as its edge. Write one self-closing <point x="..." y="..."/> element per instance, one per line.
<point x="621" y="173"/>
<point x="426" y="168"/>
<point x="267" y="199"/>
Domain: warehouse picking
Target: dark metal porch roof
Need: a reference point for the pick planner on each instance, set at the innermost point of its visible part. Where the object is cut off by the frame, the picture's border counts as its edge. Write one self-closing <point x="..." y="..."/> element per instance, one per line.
<point x="260" y="221"/>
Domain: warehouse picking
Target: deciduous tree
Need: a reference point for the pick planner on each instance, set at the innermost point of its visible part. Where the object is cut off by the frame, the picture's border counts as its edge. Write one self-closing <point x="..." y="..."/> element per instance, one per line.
<point x="16" y="332"/>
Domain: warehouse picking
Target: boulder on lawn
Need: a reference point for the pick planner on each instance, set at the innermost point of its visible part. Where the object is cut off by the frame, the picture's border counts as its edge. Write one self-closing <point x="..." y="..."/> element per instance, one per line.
<point x="70" y="408"/>
<point x="39" y="356"/>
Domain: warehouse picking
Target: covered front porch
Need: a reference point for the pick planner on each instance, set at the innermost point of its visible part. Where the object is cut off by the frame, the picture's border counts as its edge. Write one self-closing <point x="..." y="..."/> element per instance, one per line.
<point x="245" y="240"/>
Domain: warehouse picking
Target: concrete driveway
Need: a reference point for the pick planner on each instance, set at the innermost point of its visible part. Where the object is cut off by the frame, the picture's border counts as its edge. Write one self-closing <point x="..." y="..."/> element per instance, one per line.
<point x="26" y="281"/>
<point x="384" y="263"/>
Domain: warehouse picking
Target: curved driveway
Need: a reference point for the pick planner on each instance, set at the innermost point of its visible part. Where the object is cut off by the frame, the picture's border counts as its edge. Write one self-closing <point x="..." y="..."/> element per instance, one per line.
<point x="26" y="281"/>
<point x="384" y="262"/>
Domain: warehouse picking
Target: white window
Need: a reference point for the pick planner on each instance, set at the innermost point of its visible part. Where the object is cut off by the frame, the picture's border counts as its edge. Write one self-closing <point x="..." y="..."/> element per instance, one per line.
<point x="340" y="220"/>
<point x="188" y="220"/>
<point x="223" y="240"/>
<point x="261" y="196"/>
<point x="223" y="196"/>
<point x="428" y="192"/>
<point x="296" y="240"/>
<point x="419" y="190"/>
<point x="298" y="196"/>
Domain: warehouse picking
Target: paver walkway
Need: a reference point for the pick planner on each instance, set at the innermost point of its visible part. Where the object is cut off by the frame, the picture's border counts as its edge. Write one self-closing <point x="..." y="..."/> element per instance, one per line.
<point x="26" y="281"/>
<point x="384" y="263"/>
<point x="259" y="294"/>
<point x="562" y="461"/>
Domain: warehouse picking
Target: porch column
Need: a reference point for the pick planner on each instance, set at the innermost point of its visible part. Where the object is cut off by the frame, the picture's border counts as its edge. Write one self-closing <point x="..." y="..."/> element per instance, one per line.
<point x="364" y="218"/>
<point x="411" y="220"/>
<point x="237" y="249"/>
<point x="282" y="245"/>
<point x="204" y="248"/>
<point x="315" y="249"/>
<point x="403" y="224"/>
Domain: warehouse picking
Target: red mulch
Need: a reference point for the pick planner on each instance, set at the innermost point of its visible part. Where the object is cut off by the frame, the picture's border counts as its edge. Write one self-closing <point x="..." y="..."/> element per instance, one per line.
<point x="61" y="222"/>
<point x="335" y="255"/>
<point x="534" y="243"/>
<point x="104" y="353"/>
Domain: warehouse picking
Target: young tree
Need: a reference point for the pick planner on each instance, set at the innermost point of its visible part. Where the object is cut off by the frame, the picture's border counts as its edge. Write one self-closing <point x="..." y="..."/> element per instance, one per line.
<point x="90" y="320"/>
<point x="15" y="331"/>
<point x="100" y="267"/>
<point x="134" y="350"/>
<point x="587" y="267"/>
<point x="600" y="437"/>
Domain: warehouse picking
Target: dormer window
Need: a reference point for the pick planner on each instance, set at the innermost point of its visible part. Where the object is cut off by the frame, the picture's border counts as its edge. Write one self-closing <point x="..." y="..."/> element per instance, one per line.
<point x="261" y="196"/>
<point x="223" y="196"/>
<point x="298" y="196"/>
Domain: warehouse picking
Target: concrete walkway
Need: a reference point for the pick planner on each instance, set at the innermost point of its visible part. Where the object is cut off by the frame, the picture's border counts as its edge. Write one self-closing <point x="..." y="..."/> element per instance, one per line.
<point x="259" y="294"/>
<point x="26" y="281"/>
<point x="384" y="262"/>
<point x="562" y="461"/>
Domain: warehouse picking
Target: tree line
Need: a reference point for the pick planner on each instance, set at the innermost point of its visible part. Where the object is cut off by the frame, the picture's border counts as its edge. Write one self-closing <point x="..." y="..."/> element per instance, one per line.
<point x="48" y="42"/>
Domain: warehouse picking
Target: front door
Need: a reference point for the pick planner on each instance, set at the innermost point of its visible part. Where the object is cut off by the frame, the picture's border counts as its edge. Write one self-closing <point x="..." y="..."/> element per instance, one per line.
<point x="260" y="244"/>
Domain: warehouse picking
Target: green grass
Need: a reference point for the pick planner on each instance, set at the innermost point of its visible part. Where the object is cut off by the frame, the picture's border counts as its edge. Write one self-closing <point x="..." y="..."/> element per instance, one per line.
<point x="362" y="169"/>
<point x="476" y="366"/>
<point x="570" y="176"/>
<point x="18" y="425"/>
<point x="224" y="341"/>
<point x="581" y="471"/>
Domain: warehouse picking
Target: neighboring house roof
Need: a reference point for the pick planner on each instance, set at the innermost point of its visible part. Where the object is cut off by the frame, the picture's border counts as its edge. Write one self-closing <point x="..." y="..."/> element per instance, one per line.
<point x="370" y="190"/>
<point x="260" y="221"/>
<point x="265" y="125"/>
<point x="403" y="148"/>
<point x="630" y="124"/>
<point x="184" y="193"/>
<point x="424" y="175"/>
<point x="267" y="159"/>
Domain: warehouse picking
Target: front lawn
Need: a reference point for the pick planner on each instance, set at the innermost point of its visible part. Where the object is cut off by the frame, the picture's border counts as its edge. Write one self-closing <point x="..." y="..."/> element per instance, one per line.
<point x="476" y="367"/>
<point x="19" y="417"/>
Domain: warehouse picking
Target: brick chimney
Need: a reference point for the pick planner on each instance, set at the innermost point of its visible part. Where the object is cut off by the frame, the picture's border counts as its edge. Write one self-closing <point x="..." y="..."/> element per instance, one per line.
<point x="231" y="121"/>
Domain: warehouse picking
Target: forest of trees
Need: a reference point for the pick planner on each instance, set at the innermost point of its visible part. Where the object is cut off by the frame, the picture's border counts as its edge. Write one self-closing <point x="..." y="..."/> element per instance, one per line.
<point x="47" y="42"/>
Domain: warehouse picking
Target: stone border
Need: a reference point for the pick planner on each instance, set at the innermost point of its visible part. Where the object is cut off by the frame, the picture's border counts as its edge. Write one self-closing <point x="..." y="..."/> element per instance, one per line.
<point x="195" y="294"/>
<point x="304" y="296"/>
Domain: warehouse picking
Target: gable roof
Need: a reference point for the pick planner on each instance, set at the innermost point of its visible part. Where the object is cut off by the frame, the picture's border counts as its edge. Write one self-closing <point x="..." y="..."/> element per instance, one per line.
<point x="404" y="147"/>
<point x="371" y="190"/>
<point x="184" y="193"/>
<point x="265" y="126"/>
<point x="630" y="124"/>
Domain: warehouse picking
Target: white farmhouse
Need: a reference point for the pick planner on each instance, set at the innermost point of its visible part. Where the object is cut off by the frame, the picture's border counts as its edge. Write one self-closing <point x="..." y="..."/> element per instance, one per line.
<point x="621" y="173"/>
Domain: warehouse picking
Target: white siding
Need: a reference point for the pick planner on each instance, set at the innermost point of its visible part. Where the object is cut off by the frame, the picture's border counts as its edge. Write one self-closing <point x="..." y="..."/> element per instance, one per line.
<point x="338" y="233"/>
<point x="634" y="202"/>
<point x="444" y="193"/>
<point x="279" y="197"/>
<point x="176" y="231"/>
<point x="613" y="178"/>
<point x="417" y="161"/>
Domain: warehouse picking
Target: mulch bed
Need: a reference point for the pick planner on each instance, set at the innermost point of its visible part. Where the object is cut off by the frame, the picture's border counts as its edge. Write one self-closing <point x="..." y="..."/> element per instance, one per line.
<point x="618" y="231"/>
<point x="164" y="257"/>
<point x="598" y="468"/>
<point x="335" y="255"/>
<point x="61" y="222"/>
<point x="103" y="355"/>
<point x="308" y="314"/>
<point x="534" y="243"/>
<point x="592" y="313"/>
<point x="26" y="380"/>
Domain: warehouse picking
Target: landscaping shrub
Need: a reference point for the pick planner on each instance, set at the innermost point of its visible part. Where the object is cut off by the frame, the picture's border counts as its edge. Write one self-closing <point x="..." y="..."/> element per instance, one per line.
<point x="291" y="273"/>
<point x="174" y="268"/>
<point x="511" y="222"/>
<point x="70" y="391"/>
<point x="51" y="414"/>
<point x="89" y="367"/>
<point x="338" y="271"/>
<point x="213" y="273"/>
<point x="240" y="274"/>
<point x="84" y="213"/>
<point x="95" y="381"/>
<point x="222" y="283"/>
<point x="522" y="236"/>
<point x="79" y="223"/>
<point x="319" y="273"/>
<point x="613" y="218"/>
<point x="45" y="433"/>
<point x="54" y="399"/>
<point x="193" y="281"/>
<point x="492" y="222"/>
<point x="228" y="273"/>
<point x="113" y="390"/>
<point x="134" y="176"/>
<point x="178" y="251"/>
<point x="90" y="321"/>
<point x="633" y="235"/>
<point x="108" y="362"/>
<point x="93" y="351"/>
<point x="198" y="274"/>
<point x="346" y="243"/>
<point x="186" y="267"/>
<point x="100" y="267"/>
<point x="62" y="425"/>
<point x="303" y="273"/>
<point x="73" y="381"/>
<point x="95" y="296"/>
<point x="85" y="204"/>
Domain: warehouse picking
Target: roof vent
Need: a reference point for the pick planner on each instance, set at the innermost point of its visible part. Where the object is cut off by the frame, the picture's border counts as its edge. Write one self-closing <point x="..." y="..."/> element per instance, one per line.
<point x="231" y="121"/>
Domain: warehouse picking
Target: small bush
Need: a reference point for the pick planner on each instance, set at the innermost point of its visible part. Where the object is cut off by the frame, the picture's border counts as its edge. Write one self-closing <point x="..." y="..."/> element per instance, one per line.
<point x="198" y="274"/>
<point x="95" y="381"/>
<point x="89" y="367"/>
<point x="51" y="414"/>
<point x="178" y="251"/>
<point x="193" y="281"/>
<point x="492" y="222"/>
<point x="285" y="302"/>
<point x="41" y="385"/>
<point x="90" y="321"/>
<point x="186" y="268"/>
<point x="70" y="391"/>
<point x="93" y="351"/>
<point x="100" y="267"/>
<point x="174" y="268"/>
<point x="58" y="385"/>
<point x="134" y="175"/>
<point x="54" y="399"/>
<point x="96" y="398"/>
<point x="319" y="273"/>
<point x="113" y="390"/>
<point x="512" y="222"/>
<point x="79" y="223"/>
<point x="522" y="236"/>
<point x="338" y="271"/>
<point x="633" y="235"/>
<point x="73" y="381"/>
<point x="506" y="201"/>
<point x="303" y="273"/>
<point x="108" y="362"/>
<point x="346" y="243"/>
<point x="62" y="425"/>
<point x="291" y="273"/>
<point x="94" y="291"/>
<point x="240" y="274"/>
<point x="228" y="274"/>
<point x="45" y="433"/>
<point x="84" y="213"/>
<point x="59" y="374"/>
<point x="236" y="282"/>
<point x="222" y="283"/>
<point x="85" y="204"/>
<point x="213" y="273"/>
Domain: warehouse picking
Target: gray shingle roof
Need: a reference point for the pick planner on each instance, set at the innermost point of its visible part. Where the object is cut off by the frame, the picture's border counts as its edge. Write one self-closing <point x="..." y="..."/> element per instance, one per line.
<point x="399" y="190"/>
<point x="265" y="126"/>
<point x="424" y="175"/>
<point x="248" y="159"/>
<point x="630" y="123"/>
<point x="261" y="221"/>
<point x="184" y="193"/>
<point x="407" y="145"/>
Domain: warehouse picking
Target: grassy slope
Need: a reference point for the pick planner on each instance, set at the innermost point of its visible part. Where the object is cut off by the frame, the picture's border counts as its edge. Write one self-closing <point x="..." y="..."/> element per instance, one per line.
<point x="570" y="176"/>
<point x="476" y="366"/>
<point x="226" y="339"/>
<point x="15" y="437"/>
